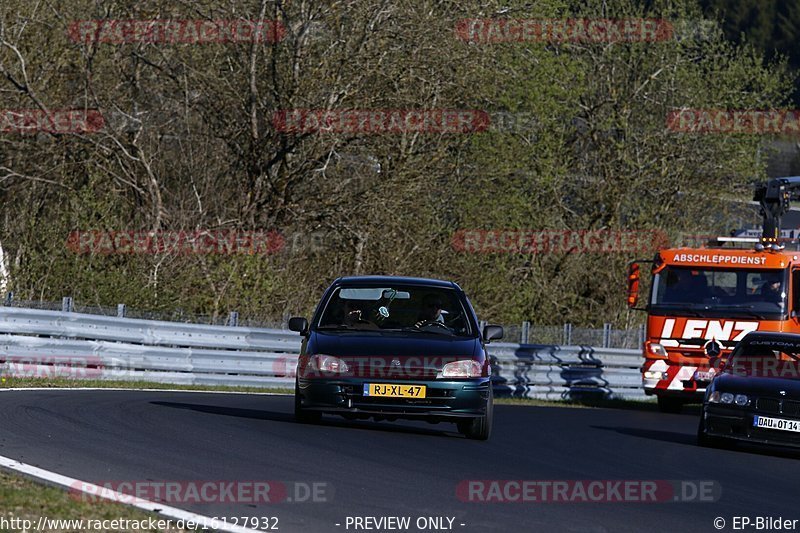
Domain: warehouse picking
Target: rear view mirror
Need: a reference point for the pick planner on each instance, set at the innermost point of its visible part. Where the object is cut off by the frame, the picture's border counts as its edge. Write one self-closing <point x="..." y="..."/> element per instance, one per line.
<point x="633" y="284"/>
<point x="492" y="332"/>
<point x="299" y="324"/>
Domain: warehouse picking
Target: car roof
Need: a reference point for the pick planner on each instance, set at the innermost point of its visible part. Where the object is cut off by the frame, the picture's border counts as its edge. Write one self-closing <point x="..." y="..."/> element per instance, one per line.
<point x="772" y="336"/>
<point x="395" y="280"/>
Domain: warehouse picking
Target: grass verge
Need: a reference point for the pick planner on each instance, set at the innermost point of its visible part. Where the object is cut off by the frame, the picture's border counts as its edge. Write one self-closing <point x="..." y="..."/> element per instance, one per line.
<point x="24" y="500"/>
<point x="28" y="383"/>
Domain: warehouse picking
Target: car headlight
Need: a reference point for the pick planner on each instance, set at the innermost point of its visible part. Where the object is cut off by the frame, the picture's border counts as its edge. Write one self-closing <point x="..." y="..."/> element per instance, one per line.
<point x="329" y="363"/>
<point x="714" y="397"/>
<point x="649" y="374"/>
<point x="466" y="368"/>
<point x="656" y="349"/>
<point x="726" y="397"/>
<point x="741" y="400"/>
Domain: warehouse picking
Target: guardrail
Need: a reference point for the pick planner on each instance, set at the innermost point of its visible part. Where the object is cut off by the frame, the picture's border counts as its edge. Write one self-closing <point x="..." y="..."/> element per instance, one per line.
<point x="552" y="372"/>
<point x="44" y="343"/>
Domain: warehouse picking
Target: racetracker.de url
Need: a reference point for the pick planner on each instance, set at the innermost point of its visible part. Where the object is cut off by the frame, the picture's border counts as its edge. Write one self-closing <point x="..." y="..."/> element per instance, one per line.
<point x="46" y="524"/>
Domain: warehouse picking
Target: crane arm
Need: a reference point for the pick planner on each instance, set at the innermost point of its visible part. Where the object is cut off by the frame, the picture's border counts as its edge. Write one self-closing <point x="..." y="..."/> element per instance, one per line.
<point x="774" y="197"/>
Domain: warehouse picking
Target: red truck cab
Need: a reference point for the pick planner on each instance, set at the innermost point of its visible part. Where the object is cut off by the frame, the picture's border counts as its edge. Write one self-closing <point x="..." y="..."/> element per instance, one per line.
<point x="702" y="302"/>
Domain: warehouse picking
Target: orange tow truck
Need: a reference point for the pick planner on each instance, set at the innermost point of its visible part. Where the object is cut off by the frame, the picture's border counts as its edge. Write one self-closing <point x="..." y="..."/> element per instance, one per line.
<point x="704" y="300"/>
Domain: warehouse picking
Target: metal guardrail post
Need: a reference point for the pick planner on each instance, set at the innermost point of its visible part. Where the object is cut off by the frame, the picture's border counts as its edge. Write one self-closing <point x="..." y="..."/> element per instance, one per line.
<point x="641" y="335"/>
<point x="525" y="334"/>
<point x="9" y="298"/>
<point x="606" y="335"/>
<point x="233" y="319"/>
<point x="66" y="304"/>
<point x="120" y="310"/>
<point x="567" y="334"/>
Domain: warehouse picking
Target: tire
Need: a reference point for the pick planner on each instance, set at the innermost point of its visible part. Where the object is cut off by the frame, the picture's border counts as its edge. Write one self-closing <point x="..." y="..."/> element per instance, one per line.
<point x="706" y="441"/>
<point x="670" y="405"/>
<point x="479" y="428"/>
<point x="304" y="416"/>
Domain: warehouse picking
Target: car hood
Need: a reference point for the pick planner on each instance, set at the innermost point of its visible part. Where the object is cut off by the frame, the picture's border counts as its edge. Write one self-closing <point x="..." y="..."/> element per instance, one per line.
<point x="757" y="386"/>
<point x="392" y="355"/>
<point x="390" y="344"/>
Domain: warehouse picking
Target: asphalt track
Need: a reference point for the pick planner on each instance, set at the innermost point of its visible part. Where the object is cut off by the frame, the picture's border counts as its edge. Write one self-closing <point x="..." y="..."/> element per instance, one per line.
<point x="394" y="469"/>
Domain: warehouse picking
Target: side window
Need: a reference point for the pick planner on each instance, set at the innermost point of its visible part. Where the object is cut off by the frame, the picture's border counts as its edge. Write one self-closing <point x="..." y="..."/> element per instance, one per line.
<point x="796" y="290"/>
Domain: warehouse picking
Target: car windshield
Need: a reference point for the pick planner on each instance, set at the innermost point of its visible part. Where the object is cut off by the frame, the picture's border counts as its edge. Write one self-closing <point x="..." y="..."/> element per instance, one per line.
<point x="755" y="293"/>
<point x="403" y="308"/>
<point x="766" y="358"/>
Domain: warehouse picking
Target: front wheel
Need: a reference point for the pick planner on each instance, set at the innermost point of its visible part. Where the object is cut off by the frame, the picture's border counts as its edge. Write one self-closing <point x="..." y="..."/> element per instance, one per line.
<point x="670" y="405"/>
<point x="480" y="427"/>
<point x="705" y="440"/>
<point x="304" y="416"/>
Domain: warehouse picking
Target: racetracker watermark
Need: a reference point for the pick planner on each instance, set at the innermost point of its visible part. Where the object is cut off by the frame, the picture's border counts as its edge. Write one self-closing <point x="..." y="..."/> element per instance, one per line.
<point x="387" y="366"/>
<point x="566" y="30"/>
<point x="588" y="491"/>
<point x="558" y="241"/>
<point x="204" y="242"/>
<point x="203" y="492"/>
<point x="732" y="121"/>
<point x="380" y="121"/>
<point x="51" y="121"/>
<point x="112" y="31"/>
<point x="54" y="366"/>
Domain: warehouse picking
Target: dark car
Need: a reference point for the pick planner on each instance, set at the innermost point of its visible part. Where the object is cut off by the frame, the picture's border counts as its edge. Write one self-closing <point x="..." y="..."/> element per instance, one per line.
<point x="755" y="396"/>
<point x="385" y="347"/>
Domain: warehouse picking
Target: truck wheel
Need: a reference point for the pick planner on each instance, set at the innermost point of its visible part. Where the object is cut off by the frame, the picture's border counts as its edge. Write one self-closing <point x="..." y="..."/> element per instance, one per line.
<point x="669" y="405"/>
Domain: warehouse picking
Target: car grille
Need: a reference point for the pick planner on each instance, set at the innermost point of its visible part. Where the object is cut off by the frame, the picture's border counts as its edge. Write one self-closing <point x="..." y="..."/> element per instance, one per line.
<point x="768" y="405"/>
<point x="443" y="398"/>
<point x="776" y="406"/>
<point x="790" y="408"/>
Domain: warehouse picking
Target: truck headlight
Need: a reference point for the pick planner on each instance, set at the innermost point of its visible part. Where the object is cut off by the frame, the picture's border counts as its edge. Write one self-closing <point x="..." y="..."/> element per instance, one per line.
<point x="655" y="348"/>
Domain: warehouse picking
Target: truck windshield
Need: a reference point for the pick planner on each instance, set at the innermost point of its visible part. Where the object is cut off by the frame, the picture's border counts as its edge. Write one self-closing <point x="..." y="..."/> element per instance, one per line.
<point x="755" y="293"/>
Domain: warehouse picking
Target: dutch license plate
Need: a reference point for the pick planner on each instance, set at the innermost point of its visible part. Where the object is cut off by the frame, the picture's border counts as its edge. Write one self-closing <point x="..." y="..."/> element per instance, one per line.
<point x="701" y="375"/>
<point x="776" y="423"/>
<point x="387" y="390"/>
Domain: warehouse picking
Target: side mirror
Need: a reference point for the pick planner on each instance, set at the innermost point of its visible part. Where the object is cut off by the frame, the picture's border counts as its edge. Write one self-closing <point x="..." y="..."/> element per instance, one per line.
<point x="492" y="332"/>
<point x="633" y="284"/>
<point x="299" y="324"/>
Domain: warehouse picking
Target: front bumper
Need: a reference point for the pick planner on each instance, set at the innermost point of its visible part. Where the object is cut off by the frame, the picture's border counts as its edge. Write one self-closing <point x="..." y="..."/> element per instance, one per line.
<point x="444" y="399"/>
<point x="737" y="423"/>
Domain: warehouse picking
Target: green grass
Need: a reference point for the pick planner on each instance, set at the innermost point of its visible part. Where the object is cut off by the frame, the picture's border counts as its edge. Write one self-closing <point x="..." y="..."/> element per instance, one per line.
<point x="27" y="383"/>
<point x="640" y="405"/>
<point x="24" y="499"/>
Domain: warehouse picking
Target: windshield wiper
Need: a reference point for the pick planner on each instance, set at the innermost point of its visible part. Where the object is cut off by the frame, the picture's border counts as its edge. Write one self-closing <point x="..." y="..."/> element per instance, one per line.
<point x="744" y="309"/>
<point x="684" y="309"/>
<point x="436" y="331"/>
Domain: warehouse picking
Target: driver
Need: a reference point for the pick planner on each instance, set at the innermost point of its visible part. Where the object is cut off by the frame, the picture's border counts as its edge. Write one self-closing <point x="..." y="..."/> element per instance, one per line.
<point x="432" y="310"/>
<point x="771" y="289"/>
<point x="352" y="313"/>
